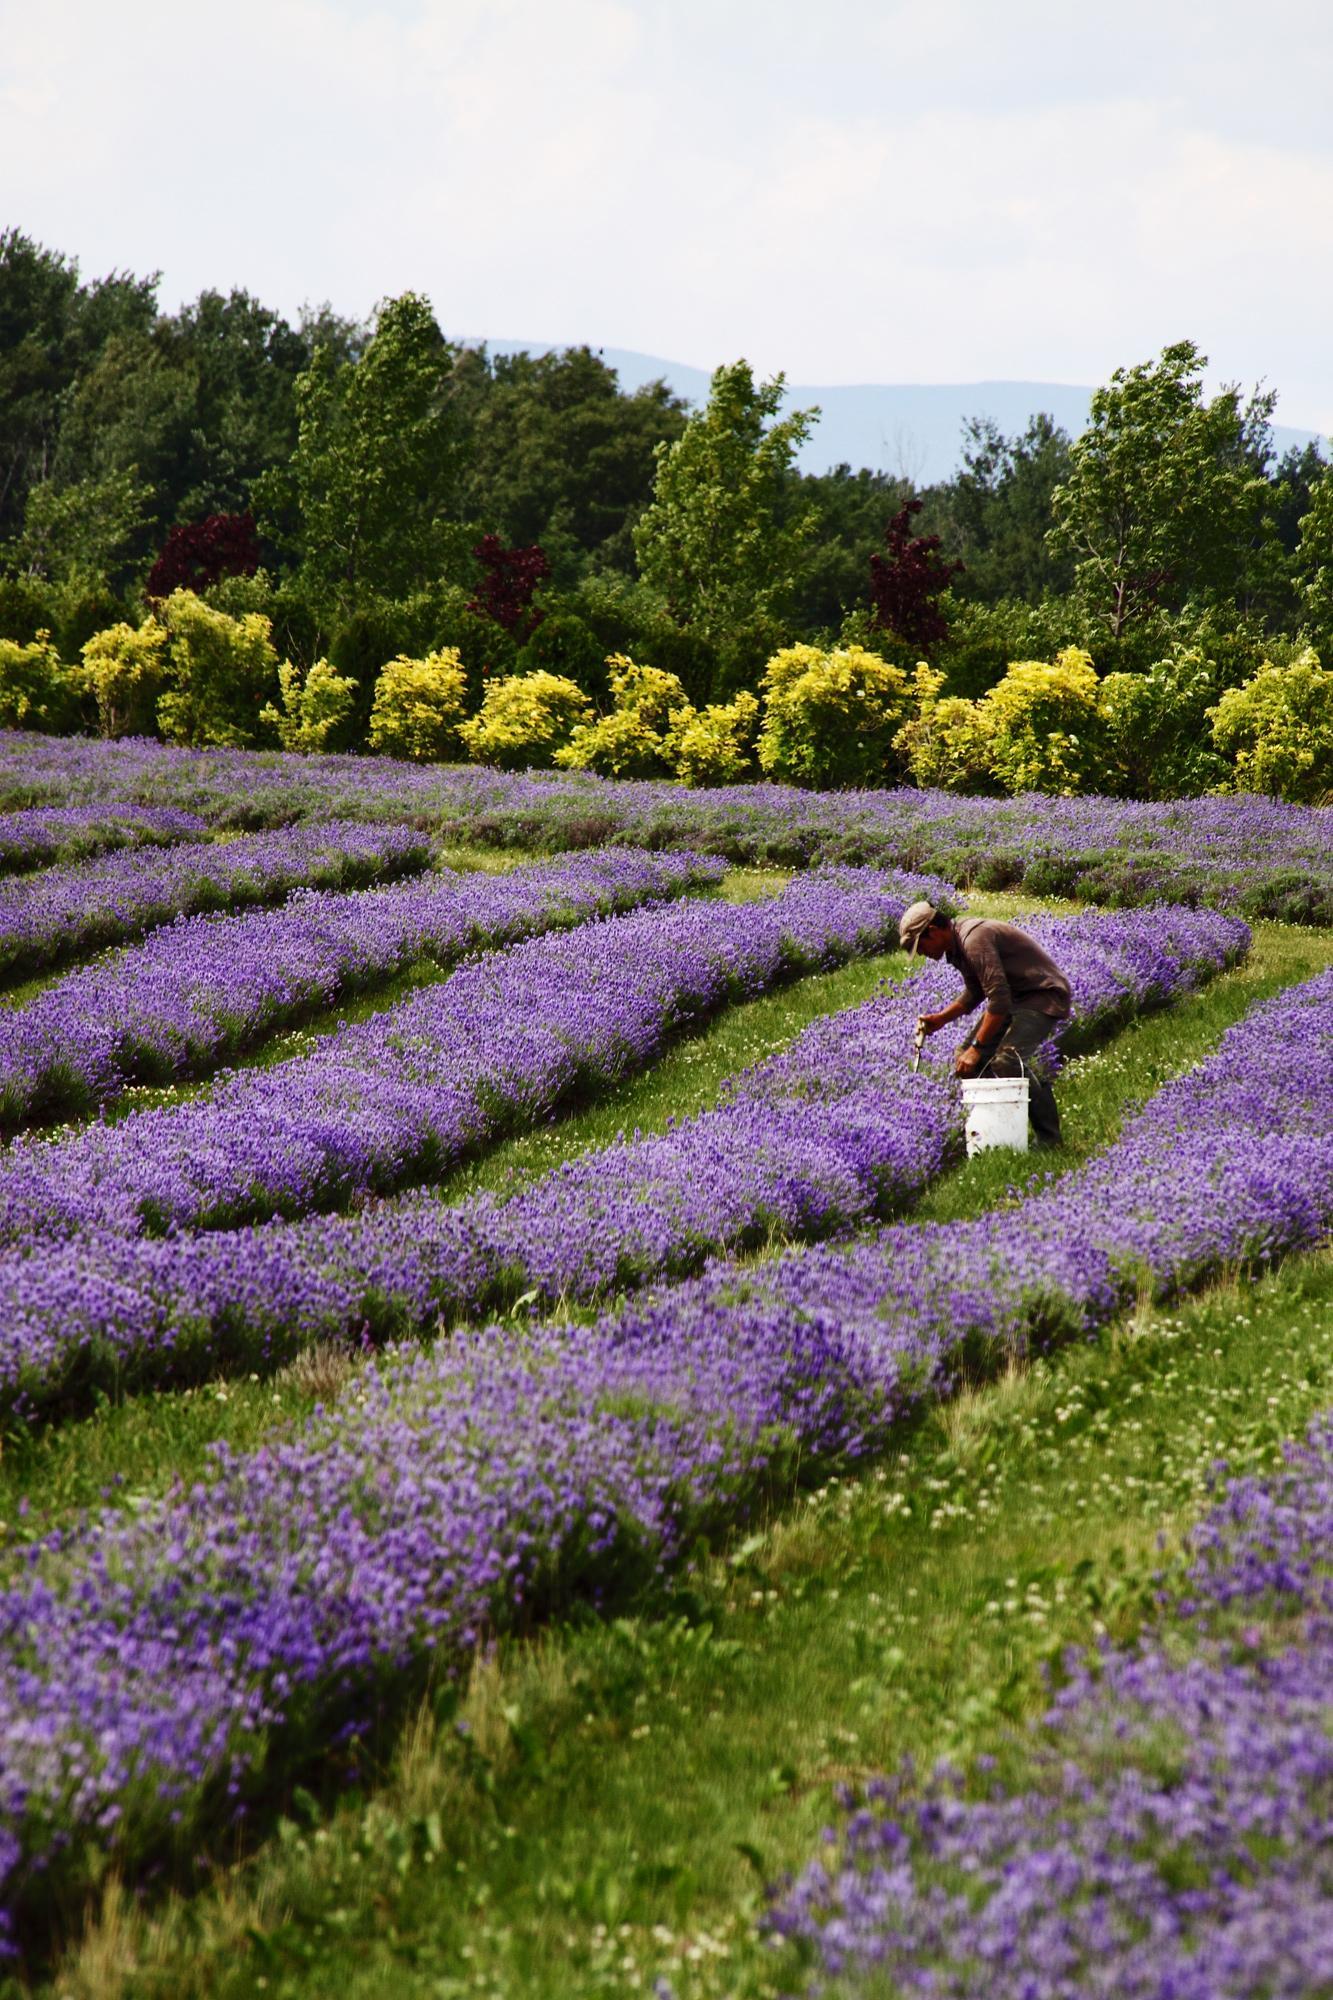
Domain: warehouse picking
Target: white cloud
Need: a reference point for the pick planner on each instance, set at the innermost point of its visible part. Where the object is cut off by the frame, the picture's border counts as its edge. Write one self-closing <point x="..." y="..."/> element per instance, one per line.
<point x="854" y="192"/>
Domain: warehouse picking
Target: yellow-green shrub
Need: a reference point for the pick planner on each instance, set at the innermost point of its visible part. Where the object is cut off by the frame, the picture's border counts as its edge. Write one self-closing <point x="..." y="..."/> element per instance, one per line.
<point x="418" y="705"/>
<point x="830" y="717"/>
<point x="1278" y="731"/>
<point x="947" y="743"/>
<point x="219" y="671"/>
<point x="1045" y="725"/>
<point x="633" y="740"/>
<point x="524" y="720"/>
<point x="314" y="707"/>
<point x="37" y="691"/>
<point x="124" y="669"/>
<point x="713" y="745"/>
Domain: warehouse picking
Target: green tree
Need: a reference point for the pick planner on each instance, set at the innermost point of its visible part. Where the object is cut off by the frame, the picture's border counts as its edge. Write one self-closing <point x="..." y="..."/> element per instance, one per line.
<point x="559" y="456"/>
<point x="52" y="328"/>
<point x="994" y="516"/>
<point x="725" y="537"/>
<point x="375" y="470"/>
<point x="1166" y="497"/>
<point x="1314" y="558"/>
<point x="219" y="670"/>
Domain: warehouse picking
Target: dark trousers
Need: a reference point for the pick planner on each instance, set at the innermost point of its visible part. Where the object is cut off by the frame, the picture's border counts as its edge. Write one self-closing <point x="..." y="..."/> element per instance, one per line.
<point x="1027" y="1030"/>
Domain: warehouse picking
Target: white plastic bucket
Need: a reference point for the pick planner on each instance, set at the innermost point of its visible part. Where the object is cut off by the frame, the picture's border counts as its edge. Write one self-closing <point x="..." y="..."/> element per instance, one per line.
<point x="996" y="1112"/>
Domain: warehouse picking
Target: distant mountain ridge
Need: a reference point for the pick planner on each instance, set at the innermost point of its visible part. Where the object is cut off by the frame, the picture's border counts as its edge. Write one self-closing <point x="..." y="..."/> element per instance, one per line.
<point x="908" y="428"/>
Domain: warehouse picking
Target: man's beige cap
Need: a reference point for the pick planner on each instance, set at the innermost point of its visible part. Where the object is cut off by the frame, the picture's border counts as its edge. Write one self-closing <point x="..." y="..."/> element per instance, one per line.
<point x="913" y="923"/>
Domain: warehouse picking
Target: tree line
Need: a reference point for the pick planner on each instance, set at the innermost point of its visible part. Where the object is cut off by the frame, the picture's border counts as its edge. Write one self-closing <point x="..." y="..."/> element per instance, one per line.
<point x="378" y="492"/>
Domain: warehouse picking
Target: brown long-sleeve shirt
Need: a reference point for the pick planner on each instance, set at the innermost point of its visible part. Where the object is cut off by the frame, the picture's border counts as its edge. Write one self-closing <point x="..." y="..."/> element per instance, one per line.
<point x="1004" y="967"/>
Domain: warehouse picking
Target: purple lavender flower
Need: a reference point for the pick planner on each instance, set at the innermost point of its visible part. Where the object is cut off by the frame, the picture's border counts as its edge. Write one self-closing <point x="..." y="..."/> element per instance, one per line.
<point x="61" y="913"/>
<point x="1175" y="1839"/>
<point x="812" y="1141"/>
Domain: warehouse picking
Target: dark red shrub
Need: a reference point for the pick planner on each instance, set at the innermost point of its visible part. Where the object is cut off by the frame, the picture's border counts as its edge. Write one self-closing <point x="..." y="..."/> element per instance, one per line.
<point x="509" y="581"/>
<point x="198" y="553"/>
<point x="907" y="581"/>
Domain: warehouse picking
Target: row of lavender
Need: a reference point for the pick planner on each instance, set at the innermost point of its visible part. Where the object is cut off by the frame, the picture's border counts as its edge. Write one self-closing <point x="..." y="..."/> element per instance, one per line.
<point x="162" y="1668"/>
<point x="39" y="835"/>
<point x="1254" y="854"/>
<point x="1175" y="1839"/>
<point x="404" y="1095"/>
<point x="810" y="1141"/>
<point x="202" y="989"/>
<point x="64" y="912"/>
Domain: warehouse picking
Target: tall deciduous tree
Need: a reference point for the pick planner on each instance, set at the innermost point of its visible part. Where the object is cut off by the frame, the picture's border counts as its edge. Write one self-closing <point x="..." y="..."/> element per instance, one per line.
<point x="996" y="512"/>
<point x="724" y="539"/>
<point x="1166" y="497"/>
<point x="375" y="468"/>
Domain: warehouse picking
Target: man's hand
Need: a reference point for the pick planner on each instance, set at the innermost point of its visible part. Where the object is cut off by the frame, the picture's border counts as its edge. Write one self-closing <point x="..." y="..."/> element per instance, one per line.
<point x="968" y="1061"/>
<point x="930" y="1024"/>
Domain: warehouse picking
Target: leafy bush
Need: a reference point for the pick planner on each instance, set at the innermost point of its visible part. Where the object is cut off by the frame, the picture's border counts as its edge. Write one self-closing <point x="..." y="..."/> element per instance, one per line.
<point x="1278" y="731"/>
<point x="220" y="669"/>
<point x="418" y="705"/>
<point x="714" y="745"/>
<point x="830" y="718"/>
<point x="948" y="742"/>
<point x="524" y="720"/>
<point x="37" y="691"/>
<point x="1045" y="725"/>
<point x="1158" y="742"/>
<point x="124" y="669"/>
<point x="564" y="644"/>
<point x="633" y="740"/>
<point x="316" y="708"/>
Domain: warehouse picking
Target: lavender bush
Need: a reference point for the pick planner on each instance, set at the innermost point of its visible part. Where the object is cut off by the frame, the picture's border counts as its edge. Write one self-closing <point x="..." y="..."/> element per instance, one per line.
<point x="1175" y="1840"/>
<point x="163" y="1669"/>
<point x="1254" y="854"/>
<point x="61" y="913"/>
<point x="203" y="988"/>
<point x="815" y="1139"/>
<point x="403" y="1095"/>
<point x="39" y="835"/>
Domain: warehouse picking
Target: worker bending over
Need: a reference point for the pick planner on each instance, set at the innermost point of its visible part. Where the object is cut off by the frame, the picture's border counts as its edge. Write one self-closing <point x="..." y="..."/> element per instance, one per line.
<point x="1025" y="994"/>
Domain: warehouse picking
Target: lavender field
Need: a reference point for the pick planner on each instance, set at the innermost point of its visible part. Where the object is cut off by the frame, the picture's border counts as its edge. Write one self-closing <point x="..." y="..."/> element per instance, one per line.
<point x="532" y="1463"/>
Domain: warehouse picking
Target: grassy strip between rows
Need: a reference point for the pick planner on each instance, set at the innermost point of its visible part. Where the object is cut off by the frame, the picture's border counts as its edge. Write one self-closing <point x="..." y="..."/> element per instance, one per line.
<point x="608" y="1802"/>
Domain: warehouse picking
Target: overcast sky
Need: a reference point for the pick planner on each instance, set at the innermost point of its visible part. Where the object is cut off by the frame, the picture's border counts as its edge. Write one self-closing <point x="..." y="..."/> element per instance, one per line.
<point x="951" y="190"/>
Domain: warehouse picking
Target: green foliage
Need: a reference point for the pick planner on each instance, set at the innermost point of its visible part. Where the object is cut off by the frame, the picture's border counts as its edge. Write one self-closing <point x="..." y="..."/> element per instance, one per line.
<point x="418" y="706"/>
<point x="947" y="743"/>
<point x="26" y="607"/>
<point x="995" y="514"/>
<point x="633" y="741"/>
<point x="830" y="718"/>
<point x="37" y="691"/>
<point x="124" y="669"/>
<point x="566" y="644"/>
<point x="560" y="457"/>
<point x="316" y="707"/>
<point x="714" y="745"/>
<point x="220" y="670"/>
<point x="374" y="472"/>
<point x="1278" y="731"/>
<point x="1045" y="726"/>
<point x="984" y="638"/>
<point x="725" y="536"/>
<point x="525" y="720"/>
<point x="91" y="529"/>
<point x="1158" y="739"/>
<point x="1314" y="559"/>
<point x="1165" y="497"/>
